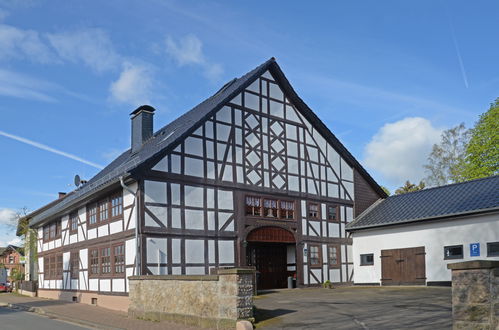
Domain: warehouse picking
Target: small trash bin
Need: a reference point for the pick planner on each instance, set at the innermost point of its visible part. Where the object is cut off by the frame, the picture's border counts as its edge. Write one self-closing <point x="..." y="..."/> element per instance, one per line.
<point x="290" y="282"/>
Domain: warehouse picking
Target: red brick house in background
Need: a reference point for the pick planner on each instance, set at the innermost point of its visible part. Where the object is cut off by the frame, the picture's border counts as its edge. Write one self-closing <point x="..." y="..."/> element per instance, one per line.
<point x="12" y="257"/>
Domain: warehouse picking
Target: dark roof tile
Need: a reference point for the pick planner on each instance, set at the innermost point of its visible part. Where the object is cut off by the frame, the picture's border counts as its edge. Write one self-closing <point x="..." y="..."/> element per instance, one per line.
<point x="454" y="199"/>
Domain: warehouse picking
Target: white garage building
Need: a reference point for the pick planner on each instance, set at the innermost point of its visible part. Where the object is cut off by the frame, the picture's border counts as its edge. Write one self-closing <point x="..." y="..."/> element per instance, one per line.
<point x="410" y="238"/>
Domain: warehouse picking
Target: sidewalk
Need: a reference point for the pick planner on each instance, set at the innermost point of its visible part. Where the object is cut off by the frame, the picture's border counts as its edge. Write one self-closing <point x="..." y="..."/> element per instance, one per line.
<point x="82" y="314"/>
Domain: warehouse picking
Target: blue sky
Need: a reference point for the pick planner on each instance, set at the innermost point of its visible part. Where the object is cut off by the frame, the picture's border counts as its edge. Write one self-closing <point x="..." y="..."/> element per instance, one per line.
<point x="386" y="77"/>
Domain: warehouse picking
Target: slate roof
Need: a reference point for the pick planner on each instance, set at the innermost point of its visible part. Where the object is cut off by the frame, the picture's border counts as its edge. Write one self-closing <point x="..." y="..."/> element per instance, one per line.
<point x="165" y="139"/>
<point x="459" y="199"/>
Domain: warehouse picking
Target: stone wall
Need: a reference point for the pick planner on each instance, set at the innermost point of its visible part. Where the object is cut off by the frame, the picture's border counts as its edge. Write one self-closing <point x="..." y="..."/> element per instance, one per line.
<point x="215" y="301"/>
<point x="475" y="294"/>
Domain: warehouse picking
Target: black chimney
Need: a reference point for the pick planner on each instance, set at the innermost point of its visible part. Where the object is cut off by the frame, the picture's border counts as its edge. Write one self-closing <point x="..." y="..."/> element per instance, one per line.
<point x="142" y="126"/>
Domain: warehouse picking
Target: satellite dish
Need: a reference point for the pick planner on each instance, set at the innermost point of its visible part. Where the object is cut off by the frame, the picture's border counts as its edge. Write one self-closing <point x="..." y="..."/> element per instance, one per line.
<point x="77" y="180"/>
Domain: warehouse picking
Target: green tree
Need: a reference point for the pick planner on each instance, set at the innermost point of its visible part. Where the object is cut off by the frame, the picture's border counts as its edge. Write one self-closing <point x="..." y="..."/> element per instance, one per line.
<point x="410" y="187"/>
<point x="385" y="189"/>
<point x="482" y="152"/>
<point x="444" y="162"/>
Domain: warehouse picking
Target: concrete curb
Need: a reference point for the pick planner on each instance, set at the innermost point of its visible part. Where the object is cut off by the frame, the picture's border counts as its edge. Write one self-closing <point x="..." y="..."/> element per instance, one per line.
<point x="57" y="316"/>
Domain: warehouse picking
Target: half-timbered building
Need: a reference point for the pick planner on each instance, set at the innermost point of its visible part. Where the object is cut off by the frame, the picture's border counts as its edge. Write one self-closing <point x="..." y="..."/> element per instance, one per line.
<point x="249" y="177"/>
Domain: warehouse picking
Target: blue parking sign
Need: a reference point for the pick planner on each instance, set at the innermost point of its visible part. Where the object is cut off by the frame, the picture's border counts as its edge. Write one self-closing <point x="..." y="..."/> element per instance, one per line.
<point x="474" y="249"/>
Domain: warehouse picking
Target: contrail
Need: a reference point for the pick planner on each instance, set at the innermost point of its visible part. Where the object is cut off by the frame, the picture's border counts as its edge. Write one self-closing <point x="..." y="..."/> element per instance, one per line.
<point x="458" y="52"/>
<point x="47" y="148"/>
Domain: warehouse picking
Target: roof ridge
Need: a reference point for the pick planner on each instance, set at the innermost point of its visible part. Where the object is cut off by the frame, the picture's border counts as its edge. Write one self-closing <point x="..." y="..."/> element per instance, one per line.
<point x="442" y="187"/>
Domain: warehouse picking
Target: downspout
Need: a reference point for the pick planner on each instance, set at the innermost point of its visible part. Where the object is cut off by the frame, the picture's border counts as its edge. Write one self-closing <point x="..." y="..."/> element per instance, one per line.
<point x="137" y="242"/>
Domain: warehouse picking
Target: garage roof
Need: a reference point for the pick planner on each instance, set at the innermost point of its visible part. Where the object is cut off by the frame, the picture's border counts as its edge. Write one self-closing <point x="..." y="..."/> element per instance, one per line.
<point x="459" y="199"/>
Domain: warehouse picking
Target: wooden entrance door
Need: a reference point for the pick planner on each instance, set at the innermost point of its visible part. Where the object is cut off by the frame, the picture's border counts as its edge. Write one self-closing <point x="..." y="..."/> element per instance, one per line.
<point x="269" y="260"/>
<point x="403" y="266"/>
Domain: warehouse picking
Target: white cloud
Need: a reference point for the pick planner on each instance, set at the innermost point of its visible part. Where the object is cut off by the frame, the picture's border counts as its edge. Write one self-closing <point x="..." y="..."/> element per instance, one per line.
<point x="189" y="51"/>
<point x="7" y="217"/>
<point x="17" y="43"/>
<point x="92" y="47"/>
<point x="399" y="150"/>
<point x="133" y="85"/>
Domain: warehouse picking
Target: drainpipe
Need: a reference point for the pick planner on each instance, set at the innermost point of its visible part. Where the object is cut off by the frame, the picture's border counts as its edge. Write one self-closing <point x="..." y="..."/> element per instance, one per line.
<point x="137" y="242"/>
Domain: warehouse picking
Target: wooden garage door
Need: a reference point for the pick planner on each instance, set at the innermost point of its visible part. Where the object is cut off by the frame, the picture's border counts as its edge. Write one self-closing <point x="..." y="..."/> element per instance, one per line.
<point x="403" y="266"/>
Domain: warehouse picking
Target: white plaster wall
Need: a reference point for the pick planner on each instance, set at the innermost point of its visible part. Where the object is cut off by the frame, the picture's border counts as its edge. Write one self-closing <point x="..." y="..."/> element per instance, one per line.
<point x="433" y="236"/>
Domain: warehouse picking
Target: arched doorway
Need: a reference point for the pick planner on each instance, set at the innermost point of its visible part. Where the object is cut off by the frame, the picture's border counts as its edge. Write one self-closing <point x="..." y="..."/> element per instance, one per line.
<point x="272" y="250"/>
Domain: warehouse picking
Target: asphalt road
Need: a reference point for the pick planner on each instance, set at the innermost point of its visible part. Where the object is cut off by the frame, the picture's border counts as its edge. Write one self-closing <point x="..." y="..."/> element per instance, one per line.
<point x="363" y="308"/>
<point x="11" y="319"/>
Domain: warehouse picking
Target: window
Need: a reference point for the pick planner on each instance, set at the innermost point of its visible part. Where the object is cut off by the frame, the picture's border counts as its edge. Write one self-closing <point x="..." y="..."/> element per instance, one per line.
<point x="73" y="222"/>
<point x="11" y="259"/>
<point x="453" y="252"/>
<point x="105" y="260"/>
<point x="334" y="255"/>
<point x="58" y="229"/>
<point x="333" y="213"/>
<point x="493" y="249"/>
<point x="367" y="259"/>
<point x="103" y="211"/>
<point x="92" y="214"/>
<point x="270" y="208"/>
<point x="313" y="211"/>
<point x="58" y="269"/>
<point x="287" y="210"/>
<point x="52" y="267"/>
<point x="119" y="258"/>
<point x="46" y="267"/>
<point x="75" y="264"/>
<point x="253" y="206"/>
<point x="94" y="261"/>
<point x="106" y="209"/>
<point x="46" y="234"/>
<point x="315" y="257"/>
<point x="52" y="231"/>
<point x="116" y="206"/>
